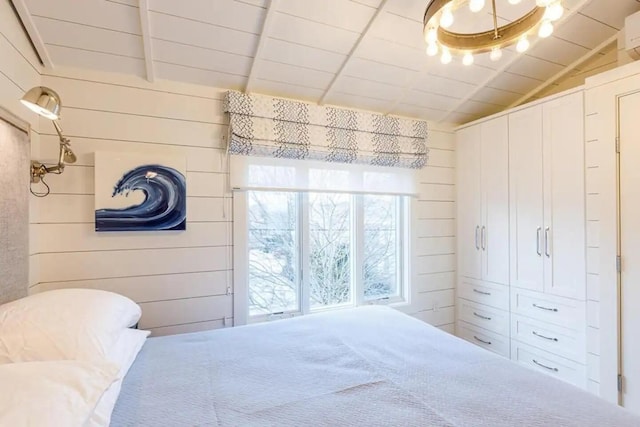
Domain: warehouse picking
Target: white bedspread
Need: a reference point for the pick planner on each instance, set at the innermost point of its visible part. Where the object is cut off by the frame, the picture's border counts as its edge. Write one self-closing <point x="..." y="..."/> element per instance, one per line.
<point x="370" y="366"/>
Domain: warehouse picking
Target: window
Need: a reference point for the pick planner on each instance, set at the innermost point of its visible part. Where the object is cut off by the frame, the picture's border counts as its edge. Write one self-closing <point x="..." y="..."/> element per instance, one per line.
<point x="317" y="251"/>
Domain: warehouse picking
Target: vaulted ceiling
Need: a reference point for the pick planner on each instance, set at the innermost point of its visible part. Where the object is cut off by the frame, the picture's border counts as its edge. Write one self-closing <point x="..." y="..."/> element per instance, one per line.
<point x="367" y="54"/>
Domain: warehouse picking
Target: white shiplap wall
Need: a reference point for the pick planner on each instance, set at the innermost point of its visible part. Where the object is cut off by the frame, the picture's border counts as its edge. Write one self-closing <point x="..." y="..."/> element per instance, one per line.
<point x="19" y="71"/>
<point x="181" y="278"/>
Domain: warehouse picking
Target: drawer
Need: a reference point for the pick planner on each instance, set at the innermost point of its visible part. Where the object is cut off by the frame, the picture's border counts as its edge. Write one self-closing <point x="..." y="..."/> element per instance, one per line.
<point x="486" y="317"/>
<point x="552" y="338"/>
<point x="486" y="293"/>
<point x="550" y="364"/>
<point x="548" y="308"/>
<point x="485" y="339"/>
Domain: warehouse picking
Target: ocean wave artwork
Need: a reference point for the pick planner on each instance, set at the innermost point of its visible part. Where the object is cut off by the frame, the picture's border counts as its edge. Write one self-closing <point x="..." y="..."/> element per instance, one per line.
<point x="149" y="197"/>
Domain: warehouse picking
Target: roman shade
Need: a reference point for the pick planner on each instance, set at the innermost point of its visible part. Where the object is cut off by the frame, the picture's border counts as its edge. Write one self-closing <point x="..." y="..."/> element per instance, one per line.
<point x="282" y="144"/>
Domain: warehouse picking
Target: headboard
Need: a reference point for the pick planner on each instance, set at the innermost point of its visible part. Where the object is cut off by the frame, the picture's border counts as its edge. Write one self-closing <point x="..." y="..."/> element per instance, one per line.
<point x="14" y="207"/>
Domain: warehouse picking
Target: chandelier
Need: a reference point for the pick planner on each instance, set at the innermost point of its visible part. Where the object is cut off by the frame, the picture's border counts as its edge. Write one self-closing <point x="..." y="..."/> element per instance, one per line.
<point x="439" y="16"/>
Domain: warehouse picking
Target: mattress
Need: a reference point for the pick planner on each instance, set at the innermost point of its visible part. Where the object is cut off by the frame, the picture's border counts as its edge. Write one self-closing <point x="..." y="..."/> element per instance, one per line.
<point x="370" y="366"/>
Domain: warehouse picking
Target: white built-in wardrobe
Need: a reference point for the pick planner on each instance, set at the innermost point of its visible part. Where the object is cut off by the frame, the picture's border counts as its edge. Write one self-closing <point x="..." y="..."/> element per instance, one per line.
<point x="521" y="224"/>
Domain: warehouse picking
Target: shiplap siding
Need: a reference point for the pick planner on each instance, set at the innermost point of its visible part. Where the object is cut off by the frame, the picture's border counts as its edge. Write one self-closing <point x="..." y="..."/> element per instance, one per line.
<point x="434" y="263"/>
<point x="183" y="280"/>
<point x="19" y="71"/>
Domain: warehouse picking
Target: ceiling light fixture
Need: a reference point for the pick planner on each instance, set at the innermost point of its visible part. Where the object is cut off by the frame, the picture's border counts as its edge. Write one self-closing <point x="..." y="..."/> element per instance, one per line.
<point x="439" y="16"/>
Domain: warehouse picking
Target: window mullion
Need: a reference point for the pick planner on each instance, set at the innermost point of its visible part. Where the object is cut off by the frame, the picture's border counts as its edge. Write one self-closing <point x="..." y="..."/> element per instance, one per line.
<point x="357" y="232"/>
<point x="303" y="253"/>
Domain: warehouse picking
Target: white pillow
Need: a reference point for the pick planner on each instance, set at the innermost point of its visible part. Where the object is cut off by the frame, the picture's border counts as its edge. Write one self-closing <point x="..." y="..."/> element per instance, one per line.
<point x="81" y="324"/>
<point x="124" y="354"/>
<point x="61" y="393"/>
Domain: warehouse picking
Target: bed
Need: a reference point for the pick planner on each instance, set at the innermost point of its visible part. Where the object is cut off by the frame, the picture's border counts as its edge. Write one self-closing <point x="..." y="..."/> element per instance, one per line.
<point x="370" y="366"/>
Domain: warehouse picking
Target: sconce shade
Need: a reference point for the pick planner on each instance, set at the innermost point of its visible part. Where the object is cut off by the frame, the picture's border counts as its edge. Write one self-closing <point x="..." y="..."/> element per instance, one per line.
<point x="43" y="101"/>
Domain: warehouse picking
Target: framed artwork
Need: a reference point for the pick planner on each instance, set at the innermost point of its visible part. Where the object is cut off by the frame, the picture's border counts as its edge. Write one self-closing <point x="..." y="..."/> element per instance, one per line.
<point x="140" y="192"/>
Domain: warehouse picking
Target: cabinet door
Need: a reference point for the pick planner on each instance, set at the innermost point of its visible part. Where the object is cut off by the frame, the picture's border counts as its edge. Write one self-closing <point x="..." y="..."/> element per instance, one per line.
<point x="468" y="204"/>
<point x="526" y="198"/>
<point x="495" y="200"/>
<point x="564" y="245"/>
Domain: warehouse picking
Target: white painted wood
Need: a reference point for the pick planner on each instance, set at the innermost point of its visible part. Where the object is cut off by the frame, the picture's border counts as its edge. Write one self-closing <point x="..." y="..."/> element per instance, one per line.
<point x="629" y="106"/>
<point x="484" y="338"/>
<point x="566" y="312"/>
<point x="486" y="317"/>
<point x="549" y="337"/>
<point x="485" y="293"/>
<point x="143" y="8"/>
<point x="564" y="197"/>
<point x="272" y="7"/>
<point x="526" y="198"/>
<point x="556" y="366"/>
<point x="191" y="310"/>
<point x="34" y="33"/>
<point x="469" y="214"/>
<point x="441" y="316"/>
<point x="190" y="327"/>
<point x="495" y="200"/>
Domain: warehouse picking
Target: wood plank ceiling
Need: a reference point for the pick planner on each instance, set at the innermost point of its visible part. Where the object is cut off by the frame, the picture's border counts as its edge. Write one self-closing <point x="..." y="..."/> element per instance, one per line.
<point x="367" y="54"/>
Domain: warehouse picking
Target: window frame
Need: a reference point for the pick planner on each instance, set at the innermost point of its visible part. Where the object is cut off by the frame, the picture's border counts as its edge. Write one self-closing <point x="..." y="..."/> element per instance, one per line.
<point x="241" y="260"/>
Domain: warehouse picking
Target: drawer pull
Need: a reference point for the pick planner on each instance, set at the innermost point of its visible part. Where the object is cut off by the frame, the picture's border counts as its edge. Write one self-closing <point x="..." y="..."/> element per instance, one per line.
<point x="481" y="292"/>
<point x="542" y="336"/>
<point x="545" y="366"/>
<point x="555" y="310"/>
<point x="481" y="316"/>
<point x="482" y="341"/>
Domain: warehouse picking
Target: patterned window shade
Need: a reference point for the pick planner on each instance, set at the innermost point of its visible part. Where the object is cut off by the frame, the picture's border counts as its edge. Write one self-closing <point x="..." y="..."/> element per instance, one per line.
<point x="272" y="127"/>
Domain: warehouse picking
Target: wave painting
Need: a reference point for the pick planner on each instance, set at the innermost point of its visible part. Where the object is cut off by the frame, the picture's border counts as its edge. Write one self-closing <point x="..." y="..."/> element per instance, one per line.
<point x="158" y="202"/>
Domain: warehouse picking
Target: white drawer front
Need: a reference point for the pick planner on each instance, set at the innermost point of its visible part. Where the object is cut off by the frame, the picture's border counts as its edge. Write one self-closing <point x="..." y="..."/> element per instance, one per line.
<point x="548" y="308"/>
<point x="486" y="293"/>
<point x="485" y="339"/>
<point x="547" y="336"/>
<point x="550" y="364"/>
<point x="486" y="317"/>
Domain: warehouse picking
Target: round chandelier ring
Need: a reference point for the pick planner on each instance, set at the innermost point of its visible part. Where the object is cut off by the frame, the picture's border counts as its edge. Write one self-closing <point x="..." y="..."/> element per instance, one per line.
<point x="485" y="41"/>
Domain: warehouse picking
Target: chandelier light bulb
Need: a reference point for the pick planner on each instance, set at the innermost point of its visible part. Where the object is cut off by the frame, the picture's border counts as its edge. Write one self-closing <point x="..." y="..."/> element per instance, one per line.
<point x="432" y="49"/>
<point x="476" y="5"/>
<point x="446" y="57"/>
<point x="446" y="19"/>
<point x="432" y="35"/>
<point x="543" y="3"/>
<point x="467" y="59"/>
<point x="514" y="2"/>
<point x="523" y="44"/>
<point x="496" y="54"/>
<point x="546" y="29"/>
<point x="554" y="11"/>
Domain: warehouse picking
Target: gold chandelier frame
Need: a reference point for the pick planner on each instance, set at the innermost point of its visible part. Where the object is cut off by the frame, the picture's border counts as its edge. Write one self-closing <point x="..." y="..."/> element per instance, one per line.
<point x="499" y="37"/>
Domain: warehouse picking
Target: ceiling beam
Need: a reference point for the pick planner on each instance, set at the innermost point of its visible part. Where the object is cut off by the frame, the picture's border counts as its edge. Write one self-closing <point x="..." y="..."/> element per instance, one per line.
<point x="272" y="7"/>
<point x="33" y="33"/>
<point x="146" y="39"/>
<point x="510" y="62"/>
<point x="569" y="68"/>
<point x="354" y="50"/>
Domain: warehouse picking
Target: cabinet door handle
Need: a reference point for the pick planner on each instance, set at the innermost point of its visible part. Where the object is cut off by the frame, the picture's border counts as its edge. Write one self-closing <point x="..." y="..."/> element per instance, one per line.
<point x="538" y="251"/>
<point x="542" y="336"/>
<point x="546" y="242"/>
<point x="482" y="341"/>
<point x="483" y="238"/>
<point x="544" y="366"/>
<point x="481" y="316"/>
<point x="555" y="310"/>
<point x="477" y="244"/>
<point x="481" y="292"/>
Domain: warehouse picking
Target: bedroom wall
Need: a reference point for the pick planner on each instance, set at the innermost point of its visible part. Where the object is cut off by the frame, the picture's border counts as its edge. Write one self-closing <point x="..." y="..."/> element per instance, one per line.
<point x="19" y="71"/>
<point x="181" y="278"/>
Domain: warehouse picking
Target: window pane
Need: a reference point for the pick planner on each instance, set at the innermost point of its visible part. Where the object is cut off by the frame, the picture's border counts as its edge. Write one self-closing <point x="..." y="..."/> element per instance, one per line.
<point x="381" y="247"/>
<point x="329" y="249"/>
<point x="273" y="253"/>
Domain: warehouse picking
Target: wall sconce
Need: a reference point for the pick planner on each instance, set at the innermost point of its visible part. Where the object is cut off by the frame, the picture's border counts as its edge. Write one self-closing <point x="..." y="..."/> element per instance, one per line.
<point x="46" y="103"/>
